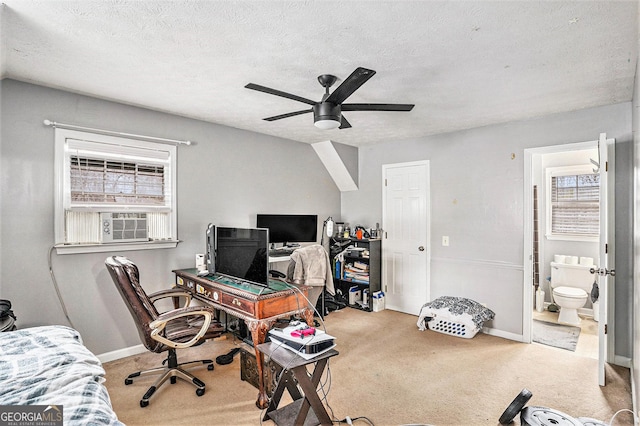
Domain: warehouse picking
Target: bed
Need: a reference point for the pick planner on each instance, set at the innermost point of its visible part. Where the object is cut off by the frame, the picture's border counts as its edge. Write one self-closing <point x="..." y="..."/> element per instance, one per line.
<point x="455" y="316"/>
<point x="50" y="366"/>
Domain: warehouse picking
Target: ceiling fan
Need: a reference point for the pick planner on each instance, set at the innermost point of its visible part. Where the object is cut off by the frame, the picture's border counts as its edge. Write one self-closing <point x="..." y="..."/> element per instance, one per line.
<point x="327" y="113"/>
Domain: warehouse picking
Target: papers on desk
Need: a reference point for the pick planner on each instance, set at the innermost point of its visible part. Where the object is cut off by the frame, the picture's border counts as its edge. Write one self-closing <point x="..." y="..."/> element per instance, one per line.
<point x="307" y="347"/>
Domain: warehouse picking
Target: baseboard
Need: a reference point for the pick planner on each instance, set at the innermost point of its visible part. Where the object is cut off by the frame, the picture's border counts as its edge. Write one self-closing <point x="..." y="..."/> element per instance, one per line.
<point x="121" y="353"/>
<point x="503" y="334"/>
<point x="622" y="361"/>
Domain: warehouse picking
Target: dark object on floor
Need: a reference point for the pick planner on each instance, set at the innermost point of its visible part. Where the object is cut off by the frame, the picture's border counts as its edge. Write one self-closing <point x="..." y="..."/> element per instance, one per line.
<point x="228" y="357"/>
<point x="552" y="308"/>
<point x="515" y="407"/>
<point x="334" y="303"/>
<point x="7" y="317"/>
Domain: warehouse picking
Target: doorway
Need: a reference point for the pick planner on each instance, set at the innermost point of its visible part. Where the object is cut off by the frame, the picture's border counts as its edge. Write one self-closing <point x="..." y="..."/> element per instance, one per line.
<point x="406" y="250"/>
<point x="581" y="159"/>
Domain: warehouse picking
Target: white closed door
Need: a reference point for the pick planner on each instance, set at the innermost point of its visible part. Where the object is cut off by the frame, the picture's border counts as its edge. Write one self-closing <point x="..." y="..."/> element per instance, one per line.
<point x="405" y="239"/>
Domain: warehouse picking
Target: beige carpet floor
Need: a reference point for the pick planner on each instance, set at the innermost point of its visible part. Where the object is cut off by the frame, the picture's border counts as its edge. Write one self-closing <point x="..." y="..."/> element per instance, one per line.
<point x="391" y="373"/>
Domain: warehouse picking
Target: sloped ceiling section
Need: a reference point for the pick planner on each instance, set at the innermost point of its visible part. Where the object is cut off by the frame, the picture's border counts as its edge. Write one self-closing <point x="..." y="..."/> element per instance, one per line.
<point x="464" y="64"/>
<point x="336" y="165"/>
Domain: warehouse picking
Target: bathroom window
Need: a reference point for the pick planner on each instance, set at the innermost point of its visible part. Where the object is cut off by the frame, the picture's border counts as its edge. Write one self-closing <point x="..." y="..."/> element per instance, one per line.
<point x="573" y="203"/>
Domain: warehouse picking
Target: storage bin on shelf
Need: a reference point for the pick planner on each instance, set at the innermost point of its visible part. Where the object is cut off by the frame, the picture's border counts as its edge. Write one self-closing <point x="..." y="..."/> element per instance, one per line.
<point x="355" y="295"/>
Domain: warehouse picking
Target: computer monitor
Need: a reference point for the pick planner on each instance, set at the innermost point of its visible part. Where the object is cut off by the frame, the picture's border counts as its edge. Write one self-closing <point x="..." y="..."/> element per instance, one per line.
<point x="242" y="253"/>
<point x="290" y="228"/>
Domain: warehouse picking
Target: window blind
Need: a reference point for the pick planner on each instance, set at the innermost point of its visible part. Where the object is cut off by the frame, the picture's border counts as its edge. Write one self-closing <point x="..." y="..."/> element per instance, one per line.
<point x="103" y="174"/>
<point x="102" y="181"/>
<point x="575" y="204"/>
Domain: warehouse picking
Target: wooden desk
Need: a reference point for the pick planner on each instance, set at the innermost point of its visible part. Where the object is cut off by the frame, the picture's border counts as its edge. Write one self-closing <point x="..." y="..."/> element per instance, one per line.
<point x="295" y="371"/>
<point x="260" y="307"/>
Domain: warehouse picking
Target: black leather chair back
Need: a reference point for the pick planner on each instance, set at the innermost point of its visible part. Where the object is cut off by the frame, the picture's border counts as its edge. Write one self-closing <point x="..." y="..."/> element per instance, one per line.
<point x="126" y="277"/>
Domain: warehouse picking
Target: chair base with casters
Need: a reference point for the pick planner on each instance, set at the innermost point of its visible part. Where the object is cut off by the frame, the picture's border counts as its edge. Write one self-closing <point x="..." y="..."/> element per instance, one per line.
<point x="177" y="328"/>
<point x="172" y="371"/>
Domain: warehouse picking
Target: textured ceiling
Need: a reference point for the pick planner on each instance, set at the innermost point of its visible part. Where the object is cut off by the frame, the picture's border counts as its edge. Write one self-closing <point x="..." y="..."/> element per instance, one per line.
<point x="464" y="64"/>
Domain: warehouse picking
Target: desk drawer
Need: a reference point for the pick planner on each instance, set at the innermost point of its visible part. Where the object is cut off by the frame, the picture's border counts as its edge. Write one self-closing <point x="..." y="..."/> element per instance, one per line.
<point x="238" y="303"/>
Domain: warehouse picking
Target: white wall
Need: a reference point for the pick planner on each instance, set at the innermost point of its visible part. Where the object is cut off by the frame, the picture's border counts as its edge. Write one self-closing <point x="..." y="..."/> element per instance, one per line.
<point x="477" y="200"/>
<point x="226" y="177"/>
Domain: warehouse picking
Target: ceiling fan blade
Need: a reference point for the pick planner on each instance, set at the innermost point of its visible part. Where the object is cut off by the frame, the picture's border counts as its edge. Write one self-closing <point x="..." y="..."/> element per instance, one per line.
<point x="377" y="107"/>
<point x="344" y="124"/>
<point x="287" y="115"/>
<point x="279" y="93"/>
<point x="350" y="85"/>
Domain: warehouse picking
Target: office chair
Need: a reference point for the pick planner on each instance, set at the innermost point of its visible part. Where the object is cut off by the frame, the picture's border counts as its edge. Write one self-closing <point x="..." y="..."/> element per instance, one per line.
<point x="167" y="331"/>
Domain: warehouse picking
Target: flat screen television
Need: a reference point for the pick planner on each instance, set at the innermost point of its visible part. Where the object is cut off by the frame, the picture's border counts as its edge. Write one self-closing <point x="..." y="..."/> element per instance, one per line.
<point x="242" y="253"/>
<point x="290" y="228"/>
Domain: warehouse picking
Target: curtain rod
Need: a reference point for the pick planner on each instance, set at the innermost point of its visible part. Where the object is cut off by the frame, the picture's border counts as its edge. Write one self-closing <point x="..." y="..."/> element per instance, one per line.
<point x="111" y="132"/>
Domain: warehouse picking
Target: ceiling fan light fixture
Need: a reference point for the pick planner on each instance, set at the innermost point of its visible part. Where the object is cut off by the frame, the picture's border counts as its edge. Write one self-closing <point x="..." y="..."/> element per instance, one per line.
<point x="326" y="116"/>
<point x="327" y="124"/>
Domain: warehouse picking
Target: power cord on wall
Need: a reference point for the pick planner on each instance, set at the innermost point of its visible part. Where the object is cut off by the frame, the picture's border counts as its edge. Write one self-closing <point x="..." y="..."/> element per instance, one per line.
<point x="55" y="285"/>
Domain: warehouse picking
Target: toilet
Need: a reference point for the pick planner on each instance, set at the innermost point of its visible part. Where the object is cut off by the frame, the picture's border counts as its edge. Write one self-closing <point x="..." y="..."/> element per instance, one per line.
<point x="570" y="284"/>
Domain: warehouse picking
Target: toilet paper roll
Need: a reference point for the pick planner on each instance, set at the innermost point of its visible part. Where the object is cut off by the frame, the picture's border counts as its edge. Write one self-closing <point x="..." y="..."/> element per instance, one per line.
<point x="586" y="261"/>
<point x="559" y="258"/>
<point x="571" y="260"/>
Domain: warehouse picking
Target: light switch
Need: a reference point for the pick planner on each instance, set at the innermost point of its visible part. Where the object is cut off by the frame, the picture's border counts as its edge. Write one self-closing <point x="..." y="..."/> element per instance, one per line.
<point x="445" y="241"/>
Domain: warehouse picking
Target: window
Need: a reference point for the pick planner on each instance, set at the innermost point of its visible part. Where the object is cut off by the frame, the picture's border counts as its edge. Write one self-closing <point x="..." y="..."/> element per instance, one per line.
<point x="573" y="208"/>
<point x="113" y="190"/>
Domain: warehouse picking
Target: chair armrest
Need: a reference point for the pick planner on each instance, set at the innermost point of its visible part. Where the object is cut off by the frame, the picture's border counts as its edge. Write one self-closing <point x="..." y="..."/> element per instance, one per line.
<point x="171" y="292"/>
<point x="159" y="324"/>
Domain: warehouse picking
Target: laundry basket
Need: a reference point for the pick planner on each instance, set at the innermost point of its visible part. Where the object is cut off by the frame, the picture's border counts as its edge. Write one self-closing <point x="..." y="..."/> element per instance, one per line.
<point x="452" y="328"/>
<point x="455" y="316"/>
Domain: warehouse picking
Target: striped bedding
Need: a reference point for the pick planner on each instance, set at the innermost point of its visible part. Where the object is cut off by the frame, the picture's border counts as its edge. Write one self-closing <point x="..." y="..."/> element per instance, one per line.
<point x="49" y="365"/>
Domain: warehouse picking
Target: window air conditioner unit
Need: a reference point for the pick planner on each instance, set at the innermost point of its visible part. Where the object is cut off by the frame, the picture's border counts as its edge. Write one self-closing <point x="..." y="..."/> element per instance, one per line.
<point x="124" y="227"/>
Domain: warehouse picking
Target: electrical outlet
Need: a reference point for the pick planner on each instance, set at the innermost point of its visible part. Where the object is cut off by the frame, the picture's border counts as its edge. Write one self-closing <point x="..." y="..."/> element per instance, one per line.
<point x="445" y="241"/>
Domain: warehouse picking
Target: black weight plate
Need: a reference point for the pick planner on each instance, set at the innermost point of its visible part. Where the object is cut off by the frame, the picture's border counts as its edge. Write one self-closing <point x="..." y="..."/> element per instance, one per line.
<point x="543" y="416"/>
<point x="515" y="407"/>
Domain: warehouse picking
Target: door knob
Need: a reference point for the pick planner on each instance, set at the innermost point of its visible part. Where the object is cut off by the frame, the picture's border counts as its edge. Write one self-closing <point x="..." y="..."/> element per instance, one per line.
<point x="421" y="248"/>
<point x="603" y="271"/>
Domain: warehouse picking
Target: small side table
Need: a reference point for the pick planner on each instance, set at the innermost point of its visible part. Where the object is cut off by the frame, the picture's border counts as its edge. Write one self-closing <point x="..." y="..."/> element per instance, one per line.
<point x="297" y="413"/>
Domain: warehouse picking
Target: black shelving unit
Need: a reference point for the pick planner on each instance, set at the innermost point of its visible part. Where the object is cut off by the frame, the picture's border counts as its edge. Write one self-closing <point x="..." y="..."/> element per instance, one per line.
<point x="367" y="252"/>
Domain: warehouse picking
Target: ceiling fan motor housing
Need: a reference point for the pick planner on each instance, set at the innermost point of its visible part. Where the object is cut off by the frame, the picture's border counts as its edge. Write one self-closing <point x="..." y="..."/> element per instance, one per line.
<point x="327" y="111"/>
